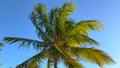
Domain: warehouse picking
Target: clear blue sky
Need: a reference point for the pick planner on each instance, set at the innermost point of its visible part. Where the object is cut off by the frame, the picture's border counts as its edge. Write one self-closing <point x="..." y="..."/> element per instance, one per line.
<point x="14" y="21"/>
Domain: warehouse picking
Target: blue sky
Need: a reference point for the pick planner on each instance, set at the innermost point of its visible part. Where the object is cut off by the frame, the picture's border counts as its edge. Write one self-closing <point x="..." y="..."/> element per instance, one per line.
<point x="15" y="22"/>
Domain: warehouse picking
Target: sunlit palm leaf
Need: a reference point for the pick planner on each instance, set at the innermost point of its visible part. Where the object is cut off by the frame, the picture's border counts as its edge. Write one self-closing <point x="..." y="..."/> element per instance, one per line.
<point x="80" y="40"/>
<point x="84" y="27"/>
<point x="92" y="55"/>
<point x="70" y="65"/>
<point x="66" y="10"/>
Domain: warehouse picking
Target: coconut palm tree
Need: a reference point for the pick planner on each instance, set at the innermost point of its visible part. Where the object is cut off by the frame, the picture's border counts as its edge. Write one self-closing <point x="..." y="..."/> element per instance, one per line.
<point x="61" y="39"/>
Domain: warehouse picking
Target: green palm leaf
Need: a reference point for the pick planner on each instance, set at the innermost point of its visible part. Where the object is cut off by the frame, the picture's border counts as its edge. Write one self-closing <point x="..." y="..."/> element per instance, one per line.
<point x="25" y="42"/>
<point x="40" y="21"/>
<point x="92" y="55"/>
<point x="80" y="40"/>
<point x="65" y="11"/>
<point x="84" y="27"/>
<point x="70" y="65"/>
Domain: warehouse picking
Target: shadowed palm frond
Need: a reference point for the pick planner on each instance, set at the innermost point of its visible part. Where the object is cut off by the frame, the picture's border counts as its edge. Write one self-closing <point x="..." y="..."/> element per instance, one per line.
<point x="25" y="42"/>
<point x="42" y="23"/>
<point x="92" y="55"/>
<point x="40" y="9"/>
<point x="39" y="29"/>
<point x="33" y="61"/>
<point x="70" y="24"/>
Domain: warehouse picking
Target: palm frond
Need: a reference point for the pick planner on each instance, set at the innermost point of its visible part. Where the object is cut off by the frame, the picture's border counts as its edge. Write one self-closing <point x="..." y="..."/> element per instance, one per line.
<point x="41" y="21"/>
<point x="70" y="24"/>
<point x="84" y="27"/>
<point x="40" y="9"/>
<point x="33" y="65"/>
<point x="92" y="55"/>
<point x="33" y="61"/>
<point x="70" y="65"/>
<point x="83" y="39"/>
<point x="80" y="40"/>
<point x="66" y="10"/>
<point x="53" y="21"/>
<point x="39" y="29"/>
<point x="25" y="42"/>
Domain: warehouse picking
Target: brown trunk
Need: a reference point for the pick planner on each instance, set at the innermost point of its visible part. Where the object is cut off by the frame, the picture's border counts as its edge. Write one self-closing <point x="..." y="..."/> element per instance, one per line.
<point x="55" y="64"/>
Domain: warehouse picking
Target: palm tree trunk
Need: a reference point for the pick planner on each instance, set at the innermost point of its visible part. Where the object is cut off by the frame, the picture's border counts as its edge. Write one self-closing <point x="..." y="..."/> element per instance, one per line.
<point x="55" y="64"/>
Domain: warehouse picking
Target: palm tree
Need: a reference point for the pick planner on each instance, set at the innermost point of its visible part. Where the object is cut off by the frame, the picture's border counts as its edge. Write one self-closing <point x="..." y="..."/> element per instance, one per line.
<point x="61" y="39"/>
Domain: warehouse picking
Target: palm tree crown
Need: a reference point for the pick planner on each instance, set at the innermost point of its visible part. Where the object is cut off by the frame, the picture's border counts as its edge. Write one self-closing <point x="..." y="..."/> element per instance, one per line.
<point x="61" y="39"/>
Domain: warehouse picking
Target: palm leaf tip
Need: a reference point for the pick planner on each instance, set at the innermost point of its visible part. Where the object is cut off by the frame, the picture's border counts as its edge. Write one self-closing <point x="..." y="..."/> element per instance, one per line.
<point x="70" y="6"/>
<point x="92" y="25"/>
<point x="7" y="39"/>
<point x="95" y="25"/>
<point x="11" y="40"/>
<point x="40" y="8"/>
<point x="23" y="42"/>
